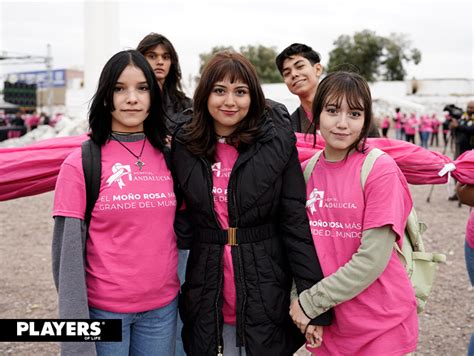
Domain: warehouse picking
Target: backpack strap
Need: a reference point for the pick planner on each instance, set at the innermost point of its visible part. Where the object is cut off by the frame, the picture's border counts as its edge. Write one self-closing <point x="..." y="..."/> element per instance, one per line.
<point x="92" y="168"/>
<point x="309" y="168"/>
<point x="369" y="162"/>
<point x="413" y="229"/>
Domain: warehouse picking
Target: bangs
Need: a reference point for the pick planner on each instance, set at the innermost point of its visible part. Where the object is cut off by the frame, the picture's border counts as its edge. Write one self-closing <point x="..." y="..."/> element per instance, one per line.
<point x="233" y="71"/>
<point x="354" y="101"/>
<point x="349" y="90"/>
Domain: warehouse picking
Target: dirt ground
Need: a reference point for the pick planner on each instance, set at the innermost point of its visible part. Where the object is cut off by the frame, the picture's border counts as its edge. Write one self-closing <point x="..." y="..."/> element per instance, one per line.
<point x="27" y="288"/>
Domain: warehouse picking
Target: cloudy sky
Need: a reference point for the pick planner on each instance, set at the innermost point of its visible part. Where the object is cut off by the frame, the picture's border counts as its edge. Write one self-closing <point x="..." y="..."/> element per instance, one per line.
<point x="441" y="30"/>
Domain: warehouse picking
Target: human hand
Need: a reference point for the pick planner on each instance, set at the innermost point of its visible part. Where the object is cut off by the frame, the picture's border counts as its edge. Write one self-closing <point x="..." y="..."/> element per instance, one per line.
<point x="299" y="317"/>
<point x="314" y="336"/>
<point x="465" y="193"/>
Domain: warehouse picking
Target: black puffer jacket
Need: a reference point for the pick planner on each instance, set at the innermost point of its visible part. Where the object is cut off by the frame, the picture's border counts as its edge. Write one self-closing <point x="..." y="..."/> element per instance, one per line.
<point x="266" y="202"/>
<point x="176" y="112"/>
<point x="300" y="121"/>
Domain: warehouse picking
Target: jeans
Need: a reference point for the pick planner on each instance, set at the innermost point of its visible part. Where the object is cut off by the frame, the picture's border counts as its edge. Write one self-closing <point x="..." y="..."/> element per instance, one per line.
<point x="228" y="335"/>
<point x="469" y="254"/>
<point x="398" y="134"/>
<point x="147" y="333"/>
<point x="182" y="262"/>
<point x="424" y="136"/>
<point x="434" y="137"/>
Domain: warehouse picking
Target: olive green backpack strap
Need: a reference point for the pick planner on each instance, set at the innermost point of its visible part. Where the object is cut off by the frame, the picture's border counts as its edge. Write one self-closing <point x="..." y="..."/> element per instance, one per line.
<point x="419" y="264"/>
<point x="309" y="168"/>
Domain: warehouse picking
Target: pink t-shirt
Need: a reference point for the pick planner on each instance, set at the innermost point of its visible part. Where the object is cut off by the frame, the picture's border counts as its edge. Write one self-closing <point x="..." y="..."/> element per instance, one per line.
<point x="398" y="120"/>
<point x="470" y="230"/>
<point x="382" y="320"/>
<point x="226" y="155"/>
<point x="386" y="122"/>
<point x="435" y="124"/>
<point x="309" y="115"/>
<point x="410" y="125"/>
<point x="132" y="255"/>
<point x="426" y="124"/>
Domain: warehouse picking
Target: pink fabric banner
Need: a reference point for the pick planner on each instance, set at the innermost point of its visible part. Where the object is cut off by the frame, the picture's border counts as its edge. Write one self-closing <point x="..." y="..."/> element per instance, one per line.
<point x="33" y="169"/>
<point x="464" y="172"/>
<point x="419" y="165"/>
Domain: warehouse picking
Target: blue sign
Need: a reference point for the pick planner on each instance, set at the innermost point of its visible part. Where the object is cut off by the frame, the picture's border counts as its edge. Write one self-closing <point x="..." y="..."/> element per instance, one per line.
<point x="40" y="78"/>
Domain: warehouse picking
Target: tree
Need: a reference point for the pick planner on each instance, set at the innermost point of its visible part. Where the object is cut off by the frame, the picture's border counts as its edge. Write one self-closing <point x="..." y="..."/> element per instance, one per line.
<point x="375" y="57"/>
<point x="398" y="51"/>
<point x="263" y="58"/>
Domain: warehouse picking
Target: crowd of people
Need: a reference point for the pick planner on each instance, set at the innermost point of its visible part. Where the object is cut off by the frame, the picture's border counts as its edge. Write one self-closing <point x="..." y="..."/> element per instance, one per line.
<point x="19" y="123"/>
<point x="202" y="209"/>
<point x="421" y="129"/>
<point x="457" y="129"/>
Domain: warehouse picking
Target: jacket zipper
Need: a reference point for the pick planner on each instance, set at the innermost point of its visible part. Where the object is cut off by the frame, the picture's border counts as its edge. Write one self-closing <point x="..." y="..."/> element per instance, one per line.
<point x="209" y="182"/>
<point x="219" y="286"/>
<point x="240" y="323"/>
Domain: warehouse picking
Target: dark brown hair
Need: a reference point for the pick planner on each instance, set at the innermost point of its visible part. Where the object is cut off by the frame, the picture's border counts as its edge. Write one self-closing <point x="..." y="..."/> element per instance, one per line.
<point x="333" y="89"/>
<point x="200" y="136"/>
<point x="172" y="85"/>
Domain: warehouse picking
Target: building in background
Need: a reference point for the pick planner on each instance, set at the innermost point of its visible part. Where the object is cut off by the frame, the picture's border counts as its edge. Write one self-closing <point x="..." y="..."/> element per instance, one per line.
<point x="62" y="80"/>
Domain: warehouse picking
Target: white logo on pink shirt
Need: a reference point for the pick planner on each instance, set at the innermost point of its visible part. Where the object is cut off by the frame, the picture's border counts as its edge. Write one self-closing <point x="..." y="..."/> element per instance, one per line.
<point x="118" y="171"/>
<point x="219" y="171"/>
<point x="315" y="196"/>
<point x="216" y="168"/>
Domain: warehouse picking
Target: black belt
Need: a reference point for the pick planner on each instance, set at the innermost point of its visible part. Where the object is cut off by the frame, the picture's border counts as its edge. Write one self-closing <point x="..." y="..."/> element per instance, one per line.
<point x="236" y="235"/>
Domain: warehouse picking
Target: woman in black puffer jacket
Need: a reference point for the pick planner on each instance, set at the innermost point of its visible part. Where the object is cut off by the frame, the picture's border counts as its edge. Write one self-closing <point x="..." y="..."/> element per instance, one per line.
<point x="244" y="219"/>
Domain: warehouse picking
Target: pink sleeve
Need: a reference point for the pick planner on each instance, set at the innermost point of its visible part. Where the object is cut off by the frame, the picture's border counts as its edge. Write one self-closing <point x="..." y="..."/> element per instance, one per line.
<point x="387" y="196"/>
<point x="70" y="191"/>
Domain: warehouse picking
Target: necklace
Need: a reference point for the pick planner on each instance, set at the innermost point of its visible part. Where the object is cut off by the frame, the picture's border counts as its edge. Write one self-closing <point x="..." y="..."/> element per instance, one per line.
<point x="139" y="162"/>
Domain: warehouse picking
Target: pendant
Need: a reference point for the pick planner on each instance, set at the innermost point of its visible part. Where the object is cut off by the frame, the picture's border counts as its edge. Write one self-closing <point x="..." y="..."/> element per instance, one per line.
<point x="140" y="164"/>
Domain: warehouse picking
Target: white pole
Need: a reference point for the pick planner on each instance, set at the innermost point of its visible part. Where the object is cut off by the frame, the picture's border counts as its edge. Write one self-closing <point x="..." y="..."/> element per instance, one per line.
<point x="101" y="41"/>
<point x="49" y="67"/>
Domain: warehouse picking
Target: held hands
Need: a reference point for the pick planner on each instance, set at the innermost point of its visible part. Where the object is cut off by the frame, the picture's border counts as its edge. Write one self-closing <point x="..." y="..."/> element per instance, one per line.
<point x="312" y="333"/>
<point x="299" y="317"/>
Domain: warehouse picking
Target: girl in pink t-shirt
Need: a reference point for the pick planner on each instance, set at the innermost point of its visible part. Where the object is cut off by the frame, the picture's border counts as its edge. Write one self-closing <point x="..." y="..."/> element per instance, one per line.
<point x="410" y="126"/>
<point x="354" y="230"/>
<point x="119" y="259"/>
<point x="425" y="130"/>
<point x="385" y="125"/>
<point x="465" y="193"/>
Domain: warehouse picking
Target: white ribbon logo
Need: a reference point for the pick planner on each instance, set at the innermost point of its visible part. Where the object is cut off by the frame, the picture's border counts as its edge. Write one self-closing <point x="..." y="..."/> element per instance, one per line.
<point x="315" y="196"/>
<point x="216" y="167"/>
<point x="119" y="170"/>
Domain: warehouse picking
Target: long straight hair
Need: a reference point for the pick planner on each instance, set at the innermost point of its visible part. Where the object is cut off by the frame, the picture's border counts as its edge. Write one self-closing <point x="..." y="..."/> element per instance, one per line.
<point x="172" y="85"/>
<point x="100" y="113"/>
<point x="333" y="89"/>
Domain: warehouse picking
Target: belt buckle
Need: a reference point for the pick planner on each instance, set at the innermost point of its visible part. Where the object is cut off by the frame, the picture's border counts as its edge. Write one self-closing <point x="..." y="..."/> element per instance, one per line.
<point x="232" y="236"/>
